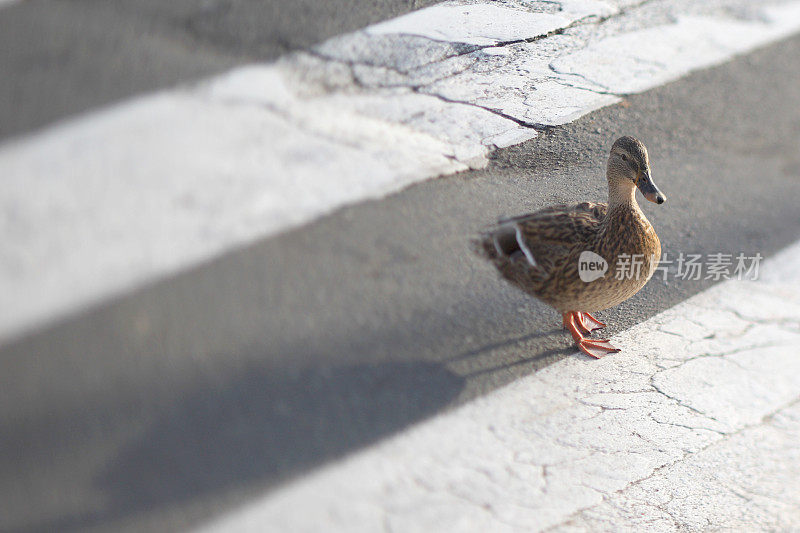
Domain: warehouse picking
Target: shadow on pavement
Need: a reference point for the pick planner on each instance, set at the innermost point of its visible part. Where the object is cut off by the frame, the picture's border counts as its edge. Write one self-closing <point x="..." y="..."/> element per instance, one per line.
<point x="266" y="427"/>
<point x="261" y="429"/>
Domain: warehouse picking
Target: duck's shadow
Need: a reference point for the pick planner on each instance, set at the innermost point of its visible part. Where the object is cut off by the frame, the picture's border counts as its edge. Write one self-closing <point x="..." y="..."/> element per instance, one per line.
<point x="487" y="349"/>
<point x="265" y="427"/>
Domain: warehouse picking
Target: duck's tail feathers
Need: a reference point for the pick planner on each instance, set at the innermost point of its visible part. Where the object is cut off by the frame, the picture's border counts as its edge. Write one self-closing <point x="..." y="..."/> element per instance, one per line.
<point x="506" y="242"/>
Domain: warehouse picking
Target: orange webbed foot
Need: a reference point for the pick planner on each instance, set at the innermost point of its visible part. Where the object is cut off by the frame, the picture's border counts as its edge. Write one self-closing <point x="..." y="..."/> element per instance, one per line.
<point x="589" y="322"/>
<point x="596" y="348"/>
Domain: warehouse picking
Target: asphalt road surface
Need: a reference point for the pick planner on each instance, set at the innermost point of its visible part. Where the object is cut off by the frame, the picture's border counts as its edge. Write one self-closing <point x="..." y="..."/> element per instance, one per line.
<point x="68" y="57"/>
<point x="168" y="406"/>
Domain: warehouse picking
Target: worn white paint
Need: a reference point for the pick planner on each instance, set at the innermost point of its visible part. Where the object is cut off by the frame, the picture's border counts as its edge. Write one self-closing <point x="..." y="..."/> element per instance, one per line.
<point x="635" y="61"/>
<point x="101" y="204"/>
<point x="696" y="420"/>
<point x="478" y="24"/>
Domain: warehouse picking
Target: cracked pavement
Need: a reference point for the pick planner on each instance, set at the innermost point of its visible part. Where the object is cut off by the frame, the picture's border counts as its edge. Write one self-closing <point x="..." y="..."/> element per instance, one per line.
<point x="533" y="72"/>
<point x="693" y="426"/>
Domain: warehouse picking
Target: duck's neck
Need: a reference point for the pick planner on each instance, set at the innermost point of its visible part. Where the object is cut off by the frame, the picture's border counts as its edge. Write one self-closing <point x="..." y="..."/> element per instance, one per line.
<point x="621" y="193"/>
<point x="624" y="213"/>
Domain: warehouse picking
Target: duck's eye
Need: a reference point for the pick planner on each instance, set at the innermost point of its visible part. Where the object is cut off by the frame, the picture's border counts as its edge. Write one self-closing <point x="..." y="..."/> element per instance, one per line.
<point x="624" y="157"/>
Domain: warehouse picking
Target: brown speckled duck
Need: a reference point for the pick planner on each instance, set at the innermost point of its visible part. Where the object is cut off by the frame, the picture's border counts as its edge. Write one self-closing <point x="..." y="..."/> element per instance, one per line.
<point x="559" y="254"/>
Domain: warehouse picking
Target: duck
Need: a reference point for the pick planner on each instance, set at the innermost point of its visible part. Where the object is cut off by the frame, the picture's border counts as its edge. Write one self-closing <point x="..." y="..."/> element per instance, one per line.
<point x="585" y="257"/>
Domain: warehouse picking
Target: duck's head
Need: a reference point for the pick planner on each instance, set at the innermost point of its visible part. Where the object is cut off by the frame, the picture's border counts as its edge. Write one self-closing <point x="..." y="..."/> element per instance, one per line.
<point x="629" y="165"/>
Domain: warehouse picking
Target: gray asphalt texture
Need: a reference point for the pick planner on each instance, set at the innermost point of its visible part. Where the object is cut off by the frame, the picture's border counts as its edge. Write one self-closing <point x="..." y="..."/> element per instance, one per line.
<point x="166" y="407"/>
<point x="62" y="58"/>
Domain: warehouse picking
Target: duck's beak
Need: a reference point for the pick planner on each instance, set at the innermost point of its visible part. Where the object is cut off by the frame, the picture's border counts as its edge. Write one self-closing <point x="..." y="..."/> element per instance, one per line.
<point x="649" y="189"/>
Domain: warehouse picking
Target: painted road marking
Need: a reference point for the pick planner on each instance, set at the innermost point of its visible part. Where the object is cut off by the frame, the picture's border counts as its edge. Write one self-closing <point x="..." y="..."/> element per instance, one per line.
<point x="104" y="203"/>
<point x="484" y="24"/>
<point x="696" y="419"/>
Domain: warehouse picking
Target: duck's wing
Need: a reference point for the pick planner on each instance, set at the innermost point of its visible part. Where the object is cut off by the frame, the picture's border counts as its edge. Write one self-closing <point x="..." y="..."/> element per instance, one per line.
<point x="545" y="237"/>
